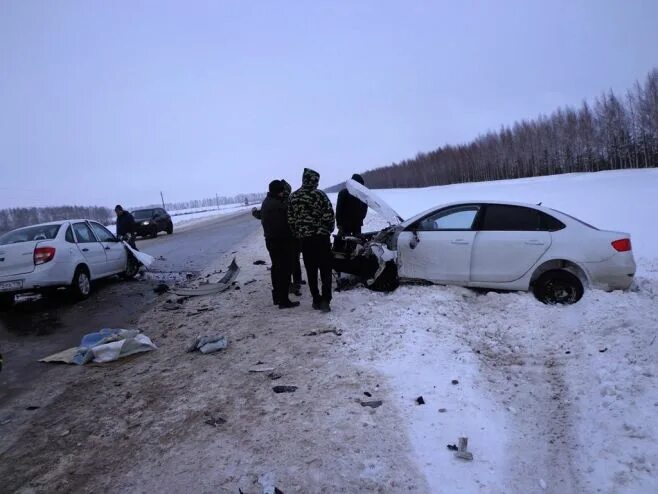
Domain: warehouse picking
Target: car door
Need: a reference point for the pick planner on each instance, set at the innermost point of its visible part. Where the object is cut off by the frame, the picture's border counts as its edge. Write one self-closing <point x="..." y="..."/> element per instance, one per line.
<point x="438" y="247"/>
<point x="114" y="250"/>
<point x="508" y="243"/>
<point x="92" y="250"/>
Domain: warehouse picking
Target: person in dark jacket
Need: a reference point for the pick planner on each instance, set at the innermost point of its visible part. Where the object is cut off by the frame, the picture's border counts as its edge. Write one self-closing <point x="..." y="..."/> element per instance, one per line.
<point x="125" y="226"/>
<point x="350" y="213"/>
<point x="279" y="242"/>
<point x="311" y="219"/>
<point x="297" y="280"/>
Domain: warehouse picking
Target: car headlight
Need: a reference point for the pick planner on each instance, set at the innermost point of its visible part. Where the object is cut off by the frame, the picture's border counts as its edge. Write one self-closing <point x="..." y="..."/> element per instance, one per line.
<point x="146" y="223"/>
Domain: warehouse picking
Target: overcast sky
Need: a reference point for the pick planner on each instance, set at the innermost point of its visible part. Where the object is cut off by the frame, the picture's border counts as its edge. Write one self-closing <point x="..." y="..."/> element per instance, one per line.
<point x="110" y="102"/>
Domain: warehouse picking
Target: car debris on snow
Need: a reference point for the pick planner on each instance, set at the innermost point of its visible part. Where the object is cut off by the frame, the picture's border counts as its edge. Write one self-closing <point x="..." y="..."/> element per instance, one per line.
<point x="106" y="345"/>
<point x="462" y="450"/>
<point x="317" y="332"/>
<point x="420" y="400"/>
<point x="161" y="288"/>
<point x="372" y="404"/>
<point x="259" y="263"/>
<point x="211" y="288"/>
<point x="284" y="389"/>
<point x="208" y="344"/>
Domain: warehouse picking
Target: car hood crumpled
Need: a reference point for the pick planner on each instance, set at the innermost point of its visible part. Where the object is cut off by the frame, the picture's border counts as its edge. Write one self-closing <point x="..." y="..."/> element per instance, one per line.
<point x="373" y="201"/>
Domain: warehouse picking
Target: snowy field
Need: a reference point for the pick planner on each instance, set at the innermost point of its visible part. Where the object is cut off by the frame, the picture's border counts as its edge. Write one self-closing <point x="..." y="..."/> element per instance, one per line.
<point x="194" y="215"/>
<point x="552" y="399"/>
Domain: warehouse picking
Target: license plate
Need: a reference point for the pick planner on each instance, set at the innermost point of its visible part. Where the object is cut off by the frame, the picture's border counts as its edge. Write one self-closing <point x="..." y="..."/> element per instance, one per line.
<point x="11" y="285"/>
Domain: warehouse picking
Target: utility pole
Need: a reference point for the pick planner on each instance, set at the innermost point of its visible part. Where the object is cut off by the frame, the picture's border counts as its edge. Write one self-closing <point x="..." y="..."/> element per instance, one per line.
<point x="162" y="197"/>
<point x="217" y="199"/>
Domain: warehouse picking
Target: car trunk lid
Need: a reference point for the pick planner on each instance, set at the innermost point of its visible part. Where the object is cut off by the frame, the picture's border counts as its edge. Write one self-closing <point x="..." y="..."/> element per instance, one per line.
<point x="373" y="201"/>
<point x="17" y="259"/>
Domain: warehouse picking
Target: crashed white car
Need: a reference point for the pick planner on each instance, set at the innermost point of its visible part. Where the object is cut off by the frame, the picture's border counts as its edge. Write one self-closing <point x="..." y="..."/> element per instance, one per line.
<point x="492" y="245"/>
<point x="69" y="253"/>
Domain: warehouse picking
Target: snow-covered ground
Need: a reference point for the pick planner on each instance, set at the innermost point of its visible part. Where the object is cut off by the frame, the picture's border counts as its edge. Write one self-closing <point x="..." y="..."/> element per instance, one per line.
<point x="552" y="399"/>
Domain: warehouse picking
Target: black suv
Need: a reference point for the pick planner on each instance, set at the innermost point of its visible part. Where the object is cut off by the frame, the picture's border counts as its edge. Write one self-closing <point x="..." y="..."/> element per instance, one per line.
<point x="148" y="222"/>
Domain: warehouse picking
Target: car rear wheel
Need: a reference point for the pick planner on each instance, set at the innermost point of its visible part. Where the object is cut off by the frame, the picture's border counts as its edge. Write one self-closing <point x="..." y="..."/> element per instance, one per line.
<point x="81" y="284"/>
<point x="170" y="228"/>
<point x="558" y="287"/>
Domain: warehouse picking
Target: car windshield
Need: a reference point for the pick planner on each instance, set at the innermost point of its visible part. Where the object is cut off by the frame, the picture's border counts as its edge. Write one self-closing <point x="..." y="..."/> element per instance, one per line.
<point x="30" y="234"/>
<point x="143" y="214"/>
<point x="576" y="219"/>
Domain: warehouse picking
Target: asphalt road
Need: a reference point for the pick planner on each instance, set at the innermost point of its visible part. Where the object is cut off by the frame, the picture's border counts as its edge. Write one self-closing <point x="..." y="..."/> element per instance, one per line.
<point x="33" y="330"/>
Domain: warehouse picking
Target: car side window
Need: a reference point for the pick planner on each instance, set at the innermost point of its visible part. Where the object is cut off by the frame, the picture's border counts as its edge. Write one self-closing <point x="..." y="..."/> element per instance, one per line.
<point x="549" y="224"/>
<point x="69" y="235"/>
<point x="102" y="233"/>
<point x="460" y="218"/>
<point x="500" y="217"/>
<point x="83" y="233"/>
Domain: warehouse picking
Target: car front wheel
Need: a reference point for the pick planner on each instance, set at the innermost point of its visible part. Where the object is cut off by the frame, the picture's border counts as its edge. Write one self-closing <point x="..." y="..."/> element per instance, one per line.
<point x="131" y="269"/>
<point x="170" y="228"/>
<point x="558" y="287"/>
<point x="81" y="284"/>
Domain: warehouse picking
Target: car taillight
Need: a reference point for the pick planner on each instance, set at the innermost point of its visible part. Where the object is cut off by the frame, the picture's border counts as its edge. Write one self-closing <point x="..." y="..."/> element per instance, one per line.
<point x="623" y="245"/>
<point x="43" y="255"/>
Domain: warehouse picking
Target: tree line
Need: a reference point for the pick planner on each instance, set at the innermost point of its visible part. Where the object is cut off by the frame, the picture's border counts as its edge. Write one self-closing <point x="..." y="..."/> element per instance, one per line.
<point x="613" y="133"/>
<point x="17" y="217"/>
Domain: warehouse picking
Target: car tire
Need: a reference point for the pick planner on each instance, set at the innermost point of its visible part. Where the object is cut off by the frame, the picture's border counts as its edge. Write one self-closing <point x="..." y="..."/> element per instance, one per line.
<point x="170" y="228"/>
<point x="558" y="287"/>
<point x="388" y="280"/>
<point x="81" y="284"/>
<point x="154" y="231"/>
<point x="132" y="269"/>
<point x="6" y="301"/>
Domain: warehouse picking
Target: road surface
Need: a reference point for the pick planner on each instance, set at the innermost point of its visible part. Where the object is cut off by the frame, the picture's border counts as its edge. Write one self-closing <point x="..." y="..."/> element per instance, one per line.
<point x="33" y="330"/>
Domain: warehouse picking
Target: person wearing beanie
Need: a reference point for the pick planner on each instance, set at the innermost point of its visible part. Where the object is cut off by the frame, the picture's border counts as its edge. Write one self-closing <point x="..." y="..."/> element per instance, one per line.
<point x="311" y="219"/>
<point x="279" y="242"/>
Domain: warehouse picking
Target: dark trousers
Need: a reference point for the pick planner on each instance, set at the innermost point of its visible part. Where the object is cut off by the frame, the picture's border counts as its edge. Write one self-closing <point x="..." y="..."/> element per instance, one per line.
<point x="296" y="265"/>
<point x="318" y="257"/>
<point x="339" y="244"/>
<point x="280" y="254"/>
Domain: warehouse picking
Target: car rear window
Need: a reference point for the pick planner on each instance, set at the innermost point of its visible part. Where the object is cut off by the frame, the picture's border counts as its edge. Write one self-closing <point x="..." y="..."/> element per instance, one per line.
<point x="30" y="234"/>
<point x="576" y="219"/>
<point x="143" y="214"/>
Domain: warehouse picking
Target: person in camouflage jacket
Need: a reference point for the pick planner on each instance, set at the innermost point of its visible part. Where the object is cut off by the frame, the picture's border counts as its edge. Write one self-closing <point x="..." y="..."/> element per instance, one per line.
<point x="311" y="218"/>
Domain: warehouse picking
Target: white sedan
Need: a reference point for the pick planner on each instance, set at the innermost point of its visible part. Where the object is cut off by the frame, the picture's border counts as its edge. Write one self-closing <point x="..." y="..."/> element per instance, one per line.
<point x="68" y="253"/>
<point x="493" y="245"/>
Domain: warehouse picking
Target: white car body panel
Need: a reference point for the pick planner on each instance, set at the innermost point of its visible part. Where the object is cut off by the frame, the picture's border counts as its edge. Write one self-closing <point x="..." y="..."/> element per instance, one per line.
<point x="506" y="256"/>
<point x="438" y="256"/>
<point x="505" y="260"/>
<point x="19" y="275"/>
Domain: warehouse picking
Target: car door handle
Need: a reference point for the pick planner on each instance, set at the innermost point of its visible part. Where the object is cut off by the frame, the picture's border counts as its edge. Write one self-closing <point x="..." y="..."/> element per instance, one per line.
<point x="534" y="242"/>
<point x="460" y="241"/>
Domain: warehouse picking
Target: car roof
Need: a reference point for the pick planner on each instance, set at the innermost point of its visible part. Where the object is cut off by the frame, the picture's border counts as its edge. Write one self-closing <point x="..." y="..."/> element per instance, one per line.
<point x="59" y="222"/>
<point x="563" y="217"/>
